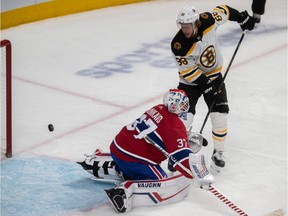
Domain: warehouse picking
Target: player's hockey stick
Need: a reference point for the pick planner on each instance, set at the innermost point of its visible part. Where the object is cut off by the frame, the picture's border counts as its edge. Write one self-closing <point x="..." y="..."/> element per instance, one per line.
<point x="224" y="77"/>
<point x="211" y="188"/>
<point x="168" y="155"/>
<point x="226" y="201"/>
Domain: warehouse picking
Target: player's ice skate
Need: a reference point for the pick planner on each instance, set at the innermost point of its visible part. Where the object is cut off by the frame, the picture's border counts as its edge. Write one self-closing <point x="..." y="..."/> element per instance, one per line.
<point x="218" y="162"/>
<point x="117" y="198"/>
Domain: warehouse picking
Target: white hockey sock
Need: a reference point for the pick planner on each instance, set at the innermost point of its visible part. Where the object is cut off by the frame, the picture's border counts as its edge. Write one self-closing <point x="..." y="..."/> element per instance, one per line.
<point x="219" y="130"/>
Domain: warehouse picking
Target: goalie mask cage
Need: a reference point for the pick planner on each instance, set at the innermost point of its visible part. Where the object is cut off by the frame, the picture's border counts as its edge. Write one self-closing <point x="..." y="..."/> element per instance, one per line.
<point x="6" y="98"/>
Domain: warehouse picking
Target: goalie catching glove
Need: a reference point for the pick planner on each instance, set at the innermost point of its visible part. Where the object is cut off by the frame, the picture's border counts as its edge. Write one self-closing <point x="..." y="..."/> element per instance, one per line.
<point x="196" y="141"/>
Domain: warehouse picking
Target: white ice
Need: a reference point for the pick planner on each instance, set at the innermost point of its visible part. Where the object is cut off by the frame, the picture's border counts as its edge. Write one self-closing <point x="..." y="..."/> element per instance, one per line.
<point x="87" y="112"/>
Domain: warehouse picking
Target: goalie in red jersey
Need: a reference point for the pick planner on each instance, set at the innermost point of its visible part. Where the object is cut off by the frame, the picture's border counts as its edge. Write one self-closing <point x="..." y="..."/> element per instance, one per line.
<point x="139" y="148"/>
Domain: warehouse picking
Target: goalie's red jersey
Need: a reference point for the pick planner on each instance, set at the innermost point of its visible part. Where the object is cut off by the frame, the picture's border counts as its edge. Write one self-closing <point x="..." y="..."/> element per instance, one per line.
<point x="164" y="128"/>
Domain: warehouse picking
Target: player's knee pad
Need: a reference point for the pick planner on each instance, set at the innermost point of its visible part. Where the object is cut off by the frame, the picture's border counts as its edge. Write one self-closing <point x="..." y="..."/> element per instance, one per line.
<point x="221" y="108"/>
<point x="221" y="105"/>
<point x="219" y="129"/>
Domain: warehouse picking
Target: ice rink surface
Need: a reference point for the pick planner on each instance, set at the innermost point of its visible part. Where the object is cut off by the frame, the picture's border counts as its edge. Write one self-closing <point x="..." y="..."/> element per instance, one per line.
<point x="91" y="73"/>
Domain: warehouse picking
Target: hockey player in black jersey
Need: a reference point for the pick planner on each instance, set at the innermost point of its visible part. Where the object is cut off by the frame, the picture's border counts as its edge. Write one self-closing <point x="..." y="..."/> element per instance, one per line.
<point x="199" y="61"/>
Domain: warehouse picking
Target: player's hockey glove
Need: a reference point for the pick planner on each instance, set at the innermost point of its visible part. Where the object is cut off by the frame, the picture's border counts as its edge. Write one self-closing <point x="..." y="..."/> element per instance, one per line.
<point x="170" y="167"/>
<point x="196" y="141"/>
<point x="246" y="21"/>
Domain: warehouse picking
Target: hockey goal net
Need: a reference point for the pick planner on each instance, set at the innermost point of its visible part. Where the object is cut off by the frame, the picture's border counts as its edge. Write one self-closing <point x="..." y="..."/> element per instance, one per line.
<point x="6" y="98"/>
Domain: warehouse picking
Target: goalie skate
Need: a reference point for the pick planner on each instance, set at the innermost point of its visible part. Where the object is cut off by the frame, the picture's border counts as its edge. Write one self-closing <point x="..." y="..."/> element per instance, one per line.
<point x="218" y="162"/>
<point x="117" y="198"/>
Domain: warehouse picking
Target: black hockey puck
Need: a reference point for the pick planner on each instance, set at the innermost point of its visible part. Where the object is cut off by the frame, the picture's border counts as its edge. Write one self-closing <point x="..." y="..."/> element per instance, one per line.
<point x="51" y="127"/>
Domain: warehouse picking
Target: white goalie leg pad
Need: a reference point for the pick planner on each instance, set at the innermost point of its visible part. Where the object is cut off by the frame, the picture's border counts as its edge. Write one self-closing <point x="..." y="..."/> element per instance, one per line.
<point x="219" y="129"/>
<point x="202" y="177"/>
<point x="155" y="192"/>
<point x="102" y="166"/>
<point x="187" y="119"/>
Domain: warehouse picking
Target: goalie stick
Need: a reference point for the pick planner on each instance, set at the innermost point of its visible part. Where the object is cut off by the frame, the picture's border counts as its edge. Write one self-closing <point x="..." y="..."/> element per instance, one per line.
<point x="212" y="189"/>
<point x="224" y="199"/>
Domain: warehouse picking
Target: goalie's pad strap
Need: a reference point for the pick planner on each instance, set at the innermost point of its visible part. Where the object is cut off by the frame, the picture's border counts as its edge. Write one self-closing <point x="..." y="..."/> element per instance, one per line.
<point x="104" y="168"/>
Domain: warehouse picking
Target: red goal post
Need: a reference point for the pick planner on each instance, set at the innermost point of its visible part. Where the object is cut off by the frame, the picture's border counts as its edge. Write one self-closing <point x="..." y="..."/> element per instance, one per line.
<point x="6" y="98"/>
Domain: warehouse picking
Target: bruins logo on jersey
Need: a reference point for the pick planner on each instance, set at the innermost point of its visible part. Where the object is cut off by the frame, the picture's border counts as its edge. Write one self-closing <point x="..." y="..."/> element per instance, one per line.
<point x="177" y="46"/>
<point x="208" y="57"/>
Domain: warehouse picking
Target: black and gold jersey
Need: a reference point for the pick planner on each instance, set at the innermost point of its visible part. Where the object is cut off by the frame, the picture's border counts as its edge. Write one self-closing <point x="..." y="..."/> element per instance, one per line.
<point x="201" y="55"/>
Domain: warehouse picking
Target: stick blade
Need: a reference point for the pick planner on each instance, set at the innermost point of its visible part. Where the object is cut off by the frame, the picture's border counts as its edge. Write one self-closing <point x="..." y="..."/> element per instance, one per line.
<point x="278" y="212"/>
